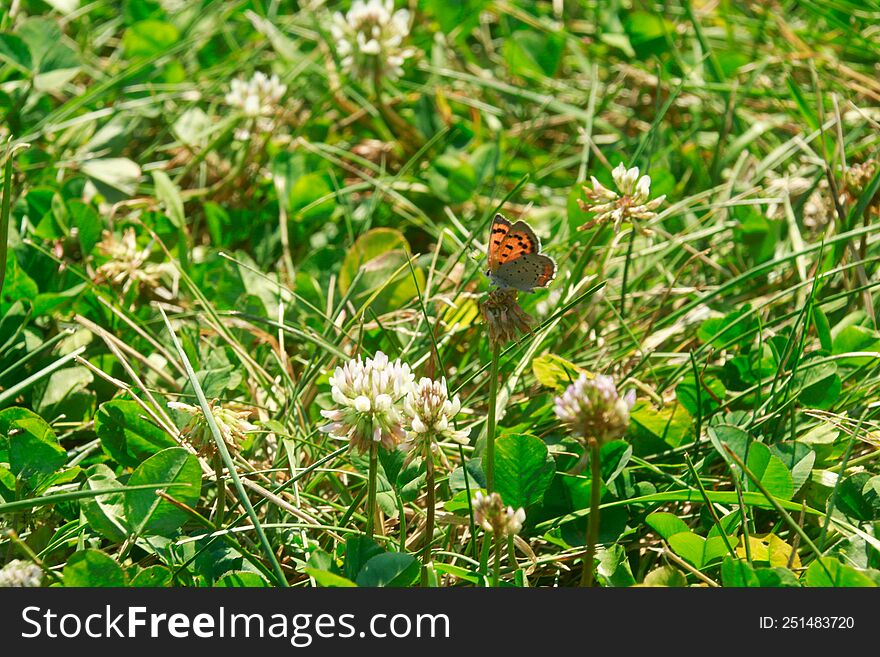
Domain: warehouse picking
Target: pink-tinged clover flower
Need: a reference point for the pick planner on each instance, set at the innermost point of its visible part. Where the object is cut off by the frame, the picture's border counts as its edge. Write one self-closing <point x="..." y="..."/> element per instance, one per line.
<point x="593" y="408"/>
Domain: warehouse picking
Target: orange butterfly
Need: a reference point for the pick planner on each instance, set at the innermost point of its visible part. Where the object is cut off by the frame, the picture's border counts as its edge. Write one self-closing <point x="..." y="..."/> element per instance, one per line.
<point x="515" y="258"/>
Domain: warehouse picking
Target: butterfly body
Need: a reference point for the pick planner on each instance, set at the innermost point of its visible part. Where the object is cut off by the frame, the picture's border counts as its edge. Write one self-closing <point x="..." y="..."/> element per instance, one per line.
<point x="515" y="258"/>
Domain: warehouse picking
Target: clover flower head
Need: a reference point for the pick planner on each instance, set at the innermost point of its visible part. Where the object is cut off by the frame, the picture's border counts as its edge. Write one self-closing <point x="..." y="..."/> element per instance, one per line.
<point x="233" y="425"/>
<point x="369" y="38"/>
<point x="373" y="150"/>
<point x="593" y="408"/>
<point x="370" y="395"/>
<point x="431" y="415"/>
<point x="791" y="185"/>
<point x="259" y="96"/>
<point x="817" y="208"/>
<point x="20" y="574"/>
<point x="856" y="180"/>
<point x="127" y="264"/>
<point x="631" y="200"/>
<point x="258" y="99"/>
<point x="491" y="514"/>
<point x="503" y="316"/>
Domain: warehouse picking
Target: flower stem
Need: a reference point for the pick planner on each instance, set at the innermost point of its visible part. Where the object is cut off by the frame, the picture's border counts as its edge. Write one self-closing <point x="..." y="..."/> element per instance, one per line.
<point x="629" y="252"/>
<point x="593" y="526"/>
<point x="484" y="556"/>
<point x="430" y="503"/>
<point x="221" y="491"/>
<point x="5" y="212"/>
<point x="14" y="540"/>
<point x="371" y="490"/>
<point x="496" y="565"/>
<point x="490" y="431"/>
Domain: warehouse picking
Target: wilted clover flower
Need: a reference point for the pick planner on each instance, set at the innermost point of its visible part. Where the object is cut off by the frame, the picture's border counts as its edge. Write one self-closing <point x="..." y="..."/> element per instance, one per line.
<point x="431" y="415"/>
<point x="370" y="395"/>
<point x="20" y="574"/>
<point x="815" y="208"/>
<point x="127" y="264"/>
<point x="369" y="38"/>
<point x="630" y="201"/>
<point x="233" y="426"/>
<point x="592" y="408"/>
<point x="857" y="179"/>
<point x="504" y="317"/>
<point x="491" y="514"/>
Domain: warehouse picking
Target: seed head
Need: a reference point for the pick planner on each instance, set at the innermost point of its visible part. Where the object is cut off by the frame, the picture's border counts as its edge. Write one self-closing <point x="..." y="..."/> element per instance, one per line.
<point x="504" y="317"/>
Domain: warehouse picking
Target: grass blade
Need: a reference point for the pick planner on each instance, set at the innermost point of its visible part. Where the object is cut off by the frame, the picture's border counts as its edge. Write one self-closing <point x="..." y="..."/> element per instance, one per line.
<point x="281" y="580"/>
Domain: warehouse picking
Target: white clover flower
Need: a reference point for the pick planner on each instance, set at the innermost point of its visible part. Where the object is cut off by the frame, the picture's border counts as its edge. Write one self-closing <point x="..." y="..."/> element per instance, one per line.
<point x="370" y="395"/>
<point x="632" y="200"/>
<point x="258" y="96"/>
<point x="369" y="38"/>
<point x="491" y="514"/>
<point x="431" y="416"/>
<point x="258" y="99"/>
<point x="592" y="408"/>
<point x="233" y="426"/>
<point x="20" y="574"/>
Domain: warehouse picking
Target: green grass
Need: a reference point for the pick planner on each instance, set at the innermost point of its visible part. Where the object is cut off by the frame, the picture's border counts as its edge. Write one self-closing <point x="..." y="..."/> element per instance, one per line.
<point x="160" y="246"/>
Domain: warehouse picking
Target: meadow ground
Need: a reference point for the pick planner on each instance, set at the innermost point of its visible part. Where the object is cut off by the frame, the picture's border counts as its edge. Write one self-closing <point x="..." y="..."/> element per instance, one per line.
<point x="260" y="324"/>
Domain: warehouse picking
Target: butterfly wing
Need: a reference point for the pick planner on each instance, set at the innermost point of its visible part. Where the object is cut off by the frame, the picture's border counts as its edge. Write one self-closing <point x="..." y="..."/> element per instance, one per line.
<point x="519" y="241"/>
<point x="525" y="273"/>
<point x="497" y="234"/>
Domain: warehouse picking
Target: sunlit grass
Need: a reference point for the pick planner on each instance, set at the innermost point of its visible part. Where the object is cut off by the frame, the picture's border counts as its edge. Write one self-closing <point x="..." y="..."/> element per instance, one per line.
<point x="222" y="203"/>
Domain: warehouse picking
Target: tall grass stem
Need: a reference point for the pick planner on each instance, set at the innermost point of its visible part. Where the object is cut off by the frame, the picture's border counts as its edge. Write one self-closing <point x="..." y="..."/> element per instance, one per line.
<point x="490" y="431"/>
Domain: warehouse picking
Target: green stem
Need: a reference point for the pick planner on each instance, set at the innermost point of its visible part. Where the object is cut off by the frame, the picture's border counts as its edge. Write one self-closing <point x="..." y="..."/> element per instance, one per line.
<point x="430" y="503"/>
<point x="776" y="505"/>
<point x="490" y="431"/>
<point x="5" y="211"/>
<point x="25" y="548"/>
<point x="371" y="491"/>
<point x="221" y="490"/>
<point x="832" y="499"/>
<point x="467" y="489"/>
<point x="496" y="565"/>
<point x="593" y="526"/>
<point x="629" y="252"/>
<point x="484" y="556"/>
